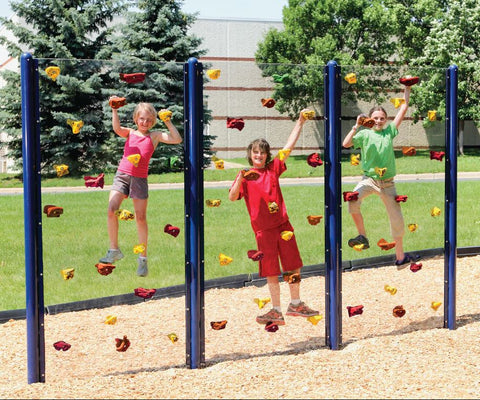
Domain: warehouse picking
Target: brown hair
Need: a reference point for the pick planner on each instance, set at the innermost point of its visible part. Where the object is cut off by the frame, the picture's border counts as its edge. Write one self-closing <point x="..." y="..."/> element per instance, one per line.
<point x="377" y="108"/>
<point x="263" y="145"/>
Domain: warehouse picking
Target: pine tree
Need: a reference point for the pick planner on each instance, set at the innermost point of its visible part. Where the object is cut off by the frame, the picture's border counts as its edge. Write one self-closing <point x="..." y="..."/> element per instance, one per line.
<point x="154" y="40"/>
<point x="67" y="34"/>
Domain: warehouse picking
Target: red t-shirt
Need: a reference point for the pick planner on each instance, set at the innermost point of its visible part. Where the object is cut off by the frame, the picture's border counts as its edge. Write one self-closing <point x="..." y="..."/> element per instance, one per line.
<point x="261" y="193"/>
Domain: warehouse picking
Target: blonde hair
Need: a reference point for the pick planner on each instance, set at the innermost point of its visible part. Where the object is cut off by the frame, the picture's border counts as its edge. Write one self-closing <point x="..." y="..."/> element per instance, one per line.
<point x="148" y="107"/>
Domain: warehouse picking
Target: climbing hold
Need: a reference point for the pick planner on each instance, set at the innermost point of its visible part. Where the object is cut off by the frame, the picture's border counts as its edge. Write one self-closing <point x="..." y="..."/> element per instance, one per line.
<point x="271" y="327"/>
<point x="224" y="259"/>
<point x="365" y="121"/>
<point x="350" y="196"/>
<point x="61" y="169"/>
<point x="173" y="337"/>
<point x="414" y="267"/>
<point x="250" y="175"/>
<point x="310" y="114"/>
<point x="435" y="212"/>
<point x="280" y="78"/>
<point x="401" y="198"/>
<point x="67" y="273"/>
<point x="397" y="101"/>
<point x="409" y="80"/>
<point x="171" y="230"/>
<point x="291" y="277"/>
<point x="432" y="115"/>
<point x="134" y="159"/>
<point x="52" y="211"/>
<point x="314" y="160"/>
<point x="61" y="345"/>
<point x="136" y="77"/>
<point x="124" y="215"/>
<point x="398" y="311"/>
<point x="139" y="248"/>
<point x="255" y="255"/>
<point x="314" y="319"/>
<point x="213" y="202"/>
<point x="351" y="78"/>
<point x="219" y="164"/>
<point x="273" y="207"/>
<point x="235" y="123"/>
<point x="116" y="102"/>
<point x="286" y="235"/>
<point x="435" y="305"/>
<point x="217" y="325"/>
<point x="165" y="115"/>
<point x="268" y="103"/>
<point x="283" y="153"/>
<point x="437" y="155"/>
<point x="76" y="125"/>
<point x="52" y="72"/>
<point x="409" y="150"/>
<point x="384" y="245"/>
<point x="110" y="320"/>
<point x="261" y="302"/>
<point x="390" y="289"/>
<point x="105" y="268"/>
<point x="122" y="344"/>
<point x="95" y="181"/>
<point x="380" y="171"/>
<point x="355" y="159"/>
<point x="354" y="310"/>
<point x="314" y="219"/>
<point x="412" y="227"/>
<point x="144" y="293"/>
<point x="213" y="73"/>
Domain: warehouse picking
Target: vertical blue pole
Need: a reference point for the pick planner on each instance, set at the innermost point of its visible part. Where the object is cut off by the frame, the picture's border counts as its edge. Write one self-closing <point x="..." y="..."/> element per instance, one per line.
<point x="451" y="130"/>
<point x="32" y="219"/>
<point x="333" y="207"/>
<point x="194" y="241"/>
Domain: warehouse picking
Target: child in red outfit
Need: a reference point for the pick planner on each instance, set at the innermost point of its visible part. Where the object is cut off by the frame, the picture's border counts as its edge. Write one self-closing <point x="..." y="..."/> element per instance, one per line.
<point x="131" y="178"/>
<point x="269" y="219"/>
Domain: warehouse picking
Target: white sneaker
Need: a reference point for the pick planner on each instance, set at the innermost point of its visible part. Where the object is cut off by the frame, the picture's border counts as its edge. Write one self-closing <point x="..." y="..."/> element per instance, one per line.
<point x="142" y="269"/>
<point x="112" y="256"/>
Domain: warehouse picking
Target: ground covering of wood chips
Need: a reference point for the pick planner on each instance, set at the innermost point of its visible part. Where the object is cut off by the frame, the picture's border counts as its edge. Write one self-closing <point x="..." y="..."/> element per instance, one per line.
<point x="381" y="357"/>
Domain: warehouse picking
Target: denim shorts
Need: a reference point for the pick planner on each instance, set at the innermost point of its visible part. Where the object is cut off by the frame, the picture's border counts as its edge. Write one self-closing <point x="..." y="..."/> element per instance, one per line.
<point x="131" y="186"/>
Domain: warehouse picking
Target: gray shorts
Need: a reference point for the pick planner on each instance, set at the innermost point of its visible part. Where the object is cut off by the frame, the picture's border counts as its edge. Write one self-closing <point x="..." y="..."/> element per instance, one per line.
<point x="131" y="186"/>
<point x="387" y="192"/>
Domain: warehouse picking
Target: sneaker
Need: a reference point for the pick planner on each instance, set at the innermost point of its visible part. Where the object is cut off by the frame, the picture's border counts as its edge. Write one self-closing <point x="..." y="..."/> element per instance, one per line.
<point x="112" y="256"/>
<point x="360" y="239"/>
<point x="302" y="310"/>
<point x="271" y="316"/>
<point x="142" y="269"/>
<point x="407" y="259"/>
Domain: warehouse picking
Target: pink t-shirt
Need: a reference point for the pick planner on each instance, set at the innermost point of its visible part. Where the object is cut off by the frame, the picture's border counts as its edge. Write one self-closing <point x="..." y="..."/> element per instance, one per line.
<point x="264" y="192"/>
<point x="136" y="144"/>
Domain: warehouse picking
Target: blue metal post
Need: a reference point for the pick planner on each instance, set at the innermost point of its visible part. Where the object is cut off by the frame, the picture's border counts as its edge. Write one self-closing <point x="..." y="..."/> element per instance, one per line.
<point x="333" y="207"/>
<point x="451" y="130"/>
<point x="32" y="219"/>
<point x="194" y="241"/>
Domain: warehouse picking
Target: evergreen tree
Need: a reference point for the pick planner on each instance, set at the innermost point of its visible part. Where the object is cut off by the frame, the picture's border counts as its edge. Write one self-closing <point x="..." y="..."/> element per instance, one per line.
<point x="57" y="32"/>
<point x="154" y="40"/>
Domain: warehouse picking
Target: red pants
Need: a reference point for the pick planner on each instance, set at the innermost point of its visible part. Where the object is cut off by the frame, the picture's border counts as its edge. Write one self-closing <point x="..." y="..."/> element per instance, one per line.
<point x="272" y="245"/>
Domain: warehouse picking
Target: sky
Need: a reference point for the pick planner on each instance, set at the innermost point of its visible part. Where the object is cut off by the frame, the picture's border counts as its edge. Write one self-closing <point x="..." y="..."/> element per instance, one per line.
<point x="257" y="9"/>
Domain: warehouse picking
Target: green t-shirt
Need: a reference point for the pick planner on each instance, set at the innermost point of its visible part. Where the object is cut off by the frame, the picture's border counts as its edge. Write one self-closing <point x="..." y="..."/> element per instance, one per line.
<point x="377" y="151"/>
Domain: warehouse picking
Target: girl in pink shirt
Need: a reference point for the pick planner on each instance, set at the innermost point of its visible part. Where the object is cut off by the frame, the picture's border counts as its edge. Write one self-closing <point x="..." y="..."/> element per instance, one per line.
<point x="131" y="177"/>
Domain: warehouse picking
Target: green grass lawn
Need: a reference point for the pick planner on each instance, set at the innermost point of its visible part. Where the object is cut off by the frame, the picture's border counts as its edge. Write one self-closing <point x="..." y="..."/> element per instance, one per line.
<point x="78" y="238"/>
